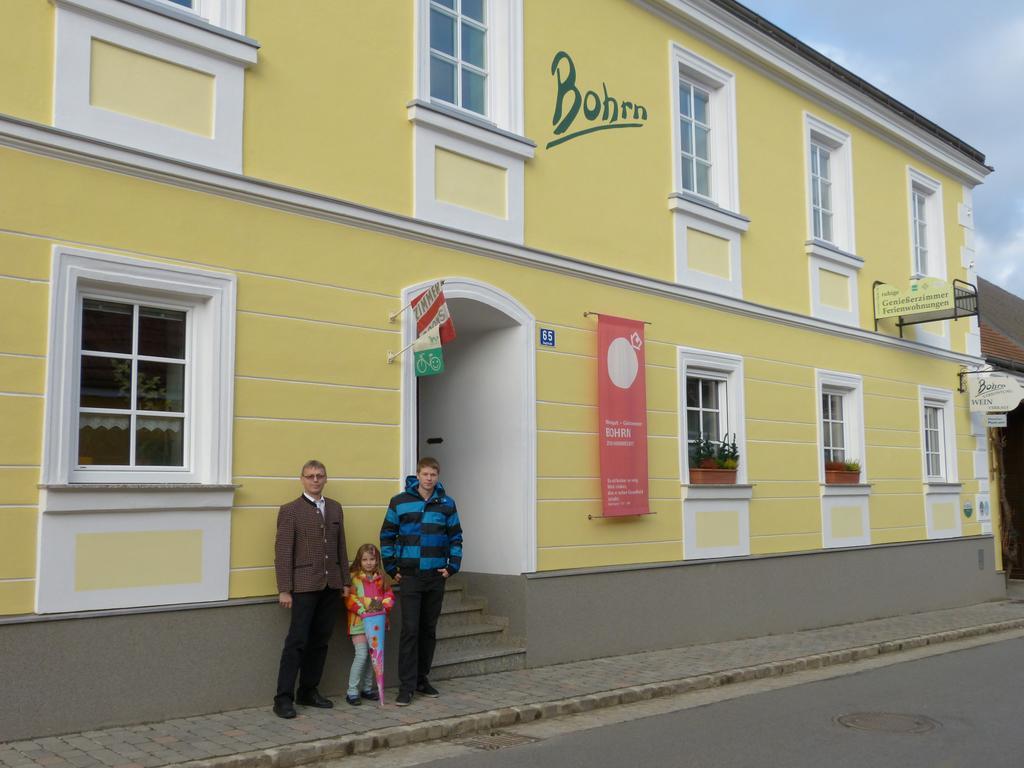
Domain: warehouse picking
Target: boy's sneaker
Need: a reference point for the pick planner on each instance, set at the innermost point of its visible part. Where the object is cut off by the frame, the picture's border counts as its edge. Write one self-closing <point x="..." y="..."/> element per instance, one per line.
<point x="428" y="690"/>
<point x="355" y="701"/>
<point x="404" y="699"/>
<point x="370" y="695"/>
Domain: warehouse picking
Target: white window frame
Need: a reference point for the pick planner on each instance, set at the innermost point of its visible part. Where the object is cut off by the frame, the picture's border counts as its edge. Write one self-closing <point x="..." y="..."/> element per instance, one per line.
<point x="931" y="190"/>
<point x="209" y="298"/>
<point x="851" y="388"/>
<point x="840" y="145"/>
<point x="227" y="14"/>
<point x="721" y="85"/>
<point x="729" y="370"/>
<point x="504" y="64"/>
<point x="941" y="399"/>
<point x="722" y="383"/>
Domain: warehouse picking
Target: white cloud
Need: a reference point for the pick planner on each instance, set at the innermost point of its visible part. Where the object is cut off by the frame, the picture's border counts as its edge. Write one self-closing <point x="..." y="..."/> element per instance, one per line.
<point x="1001" y="261"/>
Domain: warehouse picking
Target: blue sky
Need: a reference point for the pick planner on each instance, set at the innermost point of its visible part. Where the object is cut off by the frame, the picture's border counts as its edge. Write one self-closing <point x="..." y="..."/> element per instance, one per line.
<point x="961" y="65"/>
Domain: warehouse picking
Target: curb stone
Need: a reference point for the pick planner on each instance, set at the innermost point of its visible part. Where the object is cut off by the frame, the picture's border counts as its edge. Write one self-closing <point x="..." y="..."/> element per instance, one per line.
<point x="432" y="730"/>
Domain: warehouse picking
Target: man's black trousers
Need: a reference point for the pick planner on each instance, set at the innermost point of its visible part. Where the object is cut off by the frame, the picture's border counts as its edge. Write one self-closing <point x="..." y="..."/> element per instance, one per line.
<point x="305" y="647"/>
<point x="421" y="594"/>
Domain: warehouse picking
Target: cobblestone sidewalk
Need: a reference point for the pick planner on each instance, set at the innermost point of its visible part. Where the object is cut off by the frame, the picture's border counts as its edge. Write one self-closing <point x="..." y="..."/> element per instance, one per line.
<point x="255" y="738"/>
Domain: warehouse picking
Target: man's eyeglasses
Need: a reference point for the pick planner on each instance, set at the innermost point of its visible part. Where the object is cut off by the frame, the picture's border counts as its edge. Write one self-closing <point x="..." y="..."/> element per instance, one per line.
<point x="317" y="476"/>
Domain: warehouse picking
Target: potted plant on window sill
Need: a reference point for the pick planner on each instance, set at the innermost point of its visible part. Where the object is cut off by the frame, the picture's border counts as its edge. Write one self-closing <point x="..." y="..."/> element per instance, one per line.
<point x="714" y="463"/>
<point x="842" y="472"/>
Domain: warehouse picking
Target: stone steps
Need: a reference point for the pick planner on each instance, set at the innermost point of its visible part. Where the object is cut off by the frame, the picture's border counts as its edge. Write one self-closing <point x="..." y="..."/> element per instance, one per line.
<point x="470" y="641"/>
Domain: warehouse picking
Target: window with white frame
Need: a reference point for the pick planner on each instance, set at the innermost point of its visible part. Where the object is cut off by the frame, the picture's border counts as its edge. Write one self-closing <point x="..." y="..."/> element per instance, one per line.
<point x="470" y="58"/>
<point x="139" y="383"/>
<point x="829" y="184"/>
<point x="927" y="241"/>
<point x="712" y="402"/>
<point x="228" y="14"/>
<point x="840" y="419"/>
<point x="458" y="53"/>
<point x="705" y="133"/>
<point x="938" y="439"/>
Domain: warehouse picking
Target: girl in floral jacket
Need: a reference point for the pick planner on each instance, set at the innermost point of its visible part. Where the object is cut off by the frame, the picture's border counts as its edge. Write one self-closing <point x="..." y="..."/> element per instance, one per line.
<point x="370" y="595"/>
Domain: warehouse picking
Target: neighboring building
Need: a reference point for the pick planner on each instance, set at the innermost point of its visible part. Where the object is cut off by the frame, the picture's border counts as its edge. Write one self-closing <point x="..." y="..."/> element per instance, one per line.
<point x="203" y="236"/>
<point x="1002" y="346"/>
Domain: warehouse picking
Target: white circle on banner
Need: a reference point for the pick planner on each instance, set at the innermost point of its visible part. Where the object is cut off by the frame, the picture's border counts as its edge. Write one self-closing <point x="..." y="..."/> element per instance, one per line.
<point x="623" y="364"/>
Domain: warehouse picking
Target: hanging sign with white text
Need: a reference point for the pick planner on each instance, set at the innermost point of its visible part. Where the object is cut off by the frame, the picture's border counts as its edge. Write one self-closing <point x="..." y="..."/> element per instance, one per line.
<point x="929" y="294"/>
<point x="995" y="392"/>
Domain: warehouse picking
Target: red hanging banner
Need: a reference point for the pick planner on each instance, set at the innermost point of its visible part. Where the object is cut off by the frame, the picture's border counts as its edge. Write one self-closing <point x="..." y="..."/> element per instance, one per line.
<point x="622" y="415"/>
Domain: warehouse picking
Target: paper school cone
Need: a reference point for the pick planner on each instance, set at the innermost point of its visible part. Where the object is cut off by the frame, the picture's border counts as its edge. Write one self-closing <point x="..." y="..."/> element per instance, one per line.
<point x="374" y="628"/>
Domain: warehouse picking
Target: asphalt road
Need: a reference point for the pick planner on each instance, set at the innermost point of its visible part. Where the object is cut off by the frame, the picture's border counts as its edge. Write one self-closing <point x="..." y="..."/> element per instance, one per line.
<point x="965" y="709"/>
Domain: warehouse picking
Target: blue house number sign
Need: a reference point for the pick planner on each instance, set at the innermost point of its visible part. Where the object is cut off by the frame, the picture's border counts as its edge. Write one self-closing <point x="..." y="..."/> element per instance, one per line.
<point x="547" y="337"/>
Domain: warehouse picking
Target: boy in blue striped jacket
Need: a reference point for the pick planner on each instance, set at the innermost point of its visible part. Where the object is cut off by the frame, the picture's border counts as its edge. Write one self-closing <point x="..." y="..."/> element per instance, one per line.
<point x="421" y="544"/>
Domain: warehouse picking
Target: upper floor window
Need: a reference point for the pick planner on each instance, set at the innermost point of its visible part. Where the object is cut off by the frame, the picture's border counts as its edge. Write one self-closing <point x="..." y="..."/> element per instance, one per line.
<point x="132" y="385"/>
<point x="695" y="138"/>
<point x="829" y="185"/>
<point x="927" y="242"/>
<point x="229" y="14"/>
<point x="458" y="53"/>
<point x="705" y="132"/>
<point x="821" y="192"/>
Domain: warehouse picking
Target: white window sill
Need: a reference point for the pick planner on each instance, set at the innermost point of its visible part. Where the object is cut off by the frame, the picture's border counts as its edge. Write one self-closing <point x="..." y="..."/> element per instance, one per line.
<point x="129" y="497"/>
<point x="707" y="211"/>
<point x="939" y="487"/>
<point x="845" y="489"/>
<point x="717" y="492"/>
<point x="829" y="252"/>
<point x="477" y="130"/>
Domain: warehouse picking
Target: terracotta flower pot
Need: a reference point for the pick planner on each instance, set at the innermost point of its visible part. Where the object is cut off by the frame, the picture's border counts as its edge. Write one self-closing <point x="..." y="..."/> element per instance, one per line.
<point x="842" y="476"/>
<point x="712" y="476"/>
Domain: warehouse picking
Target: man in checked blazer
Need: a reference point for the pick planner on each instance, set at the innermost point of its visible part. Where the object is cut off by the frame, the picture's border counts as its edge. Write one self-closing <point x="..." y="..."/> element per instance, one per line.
<point x="311" y="562"/>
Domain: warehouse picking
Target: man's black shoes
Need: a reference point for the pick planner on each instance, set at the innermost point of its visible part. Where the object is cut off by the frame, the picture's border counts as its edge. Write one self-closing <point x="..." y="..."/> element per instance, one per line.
<point x="284" y="709"/>
<point x="404" y="699"/>
<point x="426" y="689"/>
<point x="314" y="699"/>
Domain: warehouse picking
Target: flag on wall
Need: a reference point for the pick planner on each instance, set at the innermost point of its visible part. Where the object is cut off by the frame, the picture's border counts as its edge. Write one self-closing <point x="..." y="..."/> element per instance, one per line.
<point x="431" y="311"/>
<point x="426" y="353"/>
<point x="622" y="416"/>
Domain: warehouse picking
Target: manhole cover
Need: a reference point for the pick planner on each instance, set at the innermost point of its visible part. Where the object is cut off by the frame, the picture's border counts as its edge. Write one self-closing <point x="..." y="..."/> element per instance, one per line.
<point x="888" y="722"/>
<point x="495" y="740"/>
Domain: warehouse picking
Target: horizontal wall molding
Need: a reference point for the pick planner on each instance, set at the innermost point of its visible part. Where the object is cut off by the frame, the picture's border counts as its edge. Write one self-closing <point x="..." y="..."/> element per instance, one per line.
<point x="47" y="141"/>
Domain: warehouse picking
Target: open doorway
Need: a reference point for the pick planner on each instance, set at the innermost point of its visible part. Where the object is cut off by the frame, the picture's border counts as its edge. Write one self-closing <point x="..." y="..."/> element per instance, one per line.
<point x="478" y="418"/>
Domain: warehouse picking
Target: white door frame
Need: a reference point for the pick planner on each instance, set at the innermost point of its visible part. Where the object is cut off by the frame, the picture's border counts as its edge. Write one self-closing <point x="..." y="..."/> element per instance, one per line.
<point x="467" y="288"/>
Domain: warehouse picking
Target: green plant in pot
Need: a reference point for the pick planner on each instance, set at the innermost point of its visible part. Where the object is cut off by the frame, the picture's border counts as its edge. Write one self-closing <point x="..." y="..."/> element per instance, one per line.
<point x="714" y="462"/>
<point x="845" y="472"/>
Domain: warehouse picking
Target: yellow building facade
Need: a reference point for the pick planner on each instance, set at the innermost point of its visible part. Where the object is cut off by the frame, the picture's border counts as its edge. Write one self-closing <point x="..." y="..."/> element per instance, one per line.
<point x="212" y="213"/>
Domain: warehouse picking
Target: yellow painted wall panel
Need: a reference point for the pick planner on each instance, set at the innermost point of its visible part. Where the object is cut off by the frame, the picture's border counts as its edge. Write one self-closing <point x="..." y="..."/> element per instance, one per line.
<point x="834" y="289"/>
<point x="891" y="413"/>
<point x="895" y="535"/>
<point x="18" y="542"/>
<point x="567" y="455"/>
<point x="569" y="340"/>
<point x="565" y="523"/>
<point x="21" y="438"/>
<point x="329" y="302"/>
<point x="298" y="400"/>
<point x="273" y="492"/>
<point x="720" y="528"/>
<point x="663" y="423"/>
<point x="26" y="60"/>
<point x="567" y="379"/>
<point x="19" y="485"/>
<point x="782" y="517"/>
<point x="252" y="536"/>
<point x="297" y="134"/>
<point x="252" y="583"/>
<point x="770" y="545"/>
<point x="781" y="489"/>
<point x="777" y="371"/>
<point x="128" y="559"/>
<point x="779" y="402"/>
<point x="550" y="559"/>
<point x="280" y="348"/>
<point x="708" y="254"/>
<point x="24" y="328"/>
<point x="878" y="386"/>
<point x="274" y="447"/>
<point x="27" y="257"/>
<point x="846" y="522"/>
<point x="568" y="488"/>
<point x="662" y="388"/>
<point x="785" y="431"/>
<point x="25" y="375"/>
<point x="893" y="438"/>
<point x="944" y="517"/>
<point x="782" y="461"/>
<point x="663" y="457"/>
<point x="896" y="511"/>
<point x="894" y="463"/>
<point x="17" y="597"/>
<point x="559" y="417"/>
<point x="159" y="91"/>
<point x="470" y="183"/>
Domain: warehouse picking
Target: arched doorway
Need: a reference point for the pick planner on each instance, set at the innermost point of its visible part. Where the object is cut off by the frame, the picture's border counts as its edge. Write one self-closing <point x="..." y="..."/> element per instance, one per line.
<point x="478" y="418"/>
